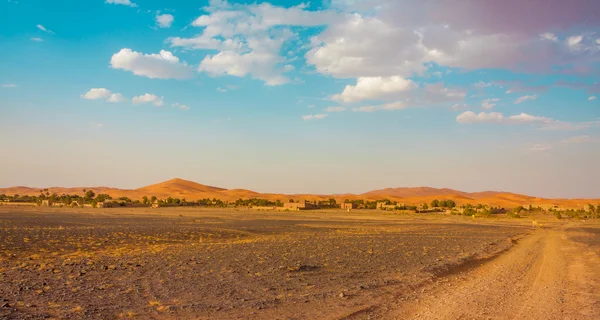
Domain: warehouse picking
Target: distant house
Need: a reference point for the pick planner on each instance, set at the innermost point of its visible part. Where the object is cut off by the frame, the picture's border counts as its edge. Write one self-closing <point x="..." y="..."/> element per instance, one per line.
<point x="108" y="204"/>
<point x="301" y="205"/>
<point x="46" y="203"/>
<point x="383" y="206"/>
<point x="348" y="206"/>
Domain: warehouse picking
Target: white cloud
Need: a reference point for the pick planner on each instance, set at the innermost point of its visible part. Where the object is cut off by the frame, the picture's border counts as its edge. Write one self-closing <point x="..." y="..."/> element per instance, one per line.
<point x="37" y="39"/>
<point x="116" y="98"/>
<point x="496" y="117"/>
<point x="288" y="68"/>
<point x="314" y="116"/>
<point x="123" y="2"/>
<point x="482" y="117"/>
<point x="525" y="98"/>
<point x="311" y="106"/>
<point x="375" y="88"/>
<point x="549" y="36"/>
<point x="250" y="38"/>
<point x="540" y="147"/>
<point x="164" y="20"/>
<point x="576" y="140"/>
<point x="334" y="109"/>
<point x="41" y="27"/>
<point x="387" y="106"/>
<point x="200" y="42"/>
<point x="260" y="61"/>
<point x="401" y="39"/>
<point x="438" y="93"/>
<point x="541" y="123"/>
<point x="592" y="98"/>
<point x="163" y="65"/>
<point x="103" y="94"/>
<point x="97" y="93"/>
<point x="9" y="85"/>
<point x="574" y="42"/>
<point x="148" y="98"/>
<point x="181" y="106"/>
<point x="489" y="103"/>
<point x="221" y="89"/>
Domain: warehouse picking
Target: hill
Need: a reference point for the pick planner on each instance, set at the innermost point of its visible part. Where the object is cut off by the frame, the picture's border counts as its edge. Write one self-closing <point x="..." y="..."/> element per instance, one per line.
<point x="180" y="188"/>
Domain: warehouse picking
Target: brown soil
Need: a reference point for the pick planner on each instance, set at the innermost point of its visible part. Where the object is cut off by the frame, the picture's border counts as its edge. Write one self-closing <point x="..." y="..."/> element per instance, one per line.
<point x="194" y="264"/>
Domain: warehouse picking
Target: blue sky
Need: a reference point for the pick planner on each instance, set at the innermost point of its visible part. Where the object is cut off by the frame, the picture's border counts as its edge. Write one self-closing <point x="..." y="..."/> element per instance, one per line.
<point x="285" y="96"/>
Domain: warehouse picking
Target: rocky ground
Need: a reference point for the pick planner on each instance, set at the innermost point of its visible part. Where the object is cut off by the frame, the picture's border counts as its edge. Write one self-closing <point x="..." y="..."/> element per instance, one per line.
<point x="191" y="264"/>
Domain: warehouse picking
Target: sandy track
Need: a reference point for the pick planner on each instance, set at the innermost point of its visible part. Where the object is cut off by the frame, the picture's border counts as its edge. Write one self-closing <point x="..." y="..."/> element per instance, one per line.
<point x="546" y="276"/>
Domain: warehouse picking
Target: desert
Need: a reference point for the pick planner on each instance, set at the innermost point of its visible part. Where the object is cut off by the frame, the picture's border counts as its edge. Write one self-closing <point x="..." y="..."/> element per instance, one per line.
<point x="203" y="263"/>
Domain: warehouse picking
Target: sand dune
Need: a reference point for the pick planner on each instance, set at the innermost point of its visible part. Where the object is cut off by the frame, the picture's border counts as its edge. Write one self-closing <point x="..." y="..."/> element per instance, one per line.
<point x="190" y="190"/>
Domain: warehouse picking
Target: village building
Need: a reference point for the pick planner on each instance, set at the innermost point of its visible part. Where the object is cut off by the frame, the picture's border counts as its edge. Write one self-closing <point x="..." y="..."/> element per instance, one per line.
<point x="301" y="205"/>
<point x="348" y="206"/>
<point x="383" y="206"/>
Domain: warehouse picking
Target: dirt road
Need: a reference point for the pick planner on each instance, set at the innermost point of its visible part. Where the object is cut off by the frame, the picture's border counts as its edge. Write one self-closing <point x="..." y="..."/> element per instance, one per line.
<point x="552" y="274"/>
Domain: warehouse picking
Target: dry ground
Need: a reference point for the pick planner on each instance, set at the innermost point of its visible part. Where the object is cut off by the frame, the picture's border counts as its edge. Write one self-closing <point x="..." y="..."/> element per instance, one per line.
<point x="219" y="264"/>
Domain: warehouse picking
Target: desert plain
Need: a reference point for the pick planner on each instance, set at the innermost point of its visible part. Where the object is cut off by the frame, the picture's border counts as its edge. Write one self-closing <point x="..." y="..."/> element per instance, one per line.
<point x="200" y="263"/>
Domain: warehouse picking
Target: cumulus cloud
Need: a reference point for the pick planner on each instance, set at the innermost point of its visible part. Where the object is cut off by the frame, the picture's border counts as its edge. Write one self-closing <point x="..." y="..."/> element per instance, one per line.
<point x="438" y="93"/>
<point x="249" y="38"/>
<point x="334" y="109"/>
<point x="496" y="117"/>
<point x="103" y="94"/>
<point x="116" y="98"/>
<point x="549" y="36"/>
<point x="574" y="42"/>
<point x="314" y="116"/>
<point x="260" y="62"/>
<point x="9" y="85"/>
<point x="525" y="98"/>
<point x="541" y="123"/>
<point x="122" y="2"/>
<point x="387" y="106"/>
<point x="489" y="103"/>
<point x="163" y="65"/>
<point x="375" y="88"/>
<point x="148" y="98"/>
<point x="164" y="20"/>
<point x="592" y="98"/>
<point x="398" y="39"/>
<point x="41" y="27"/>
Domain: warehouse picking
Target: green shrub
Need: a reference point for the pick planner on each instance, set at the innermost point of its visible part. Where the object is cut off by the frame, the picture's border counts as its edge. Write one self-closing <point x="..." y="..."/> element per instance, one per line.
<point x="557" y="215"/>
<point x="513" y="215"/>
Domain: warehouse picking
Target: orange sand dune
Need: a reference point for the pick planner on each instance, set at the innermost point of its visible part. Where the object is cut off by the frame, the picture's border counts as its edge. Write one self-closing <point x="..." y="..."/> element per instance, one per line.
<point x="179" y="188"/>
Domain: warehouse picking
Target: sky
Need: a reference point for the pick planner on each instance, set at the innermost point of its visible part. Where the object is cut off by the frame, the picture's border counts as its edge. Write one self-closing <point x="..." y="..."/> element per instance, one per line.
<point x="285" y="96"/>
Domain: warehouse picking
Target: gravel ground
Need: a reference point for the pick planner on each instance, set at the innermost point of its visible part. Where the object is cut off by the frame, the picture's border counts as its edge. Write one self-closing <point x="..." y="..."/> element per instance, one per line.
<point x="199" y="264"/>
